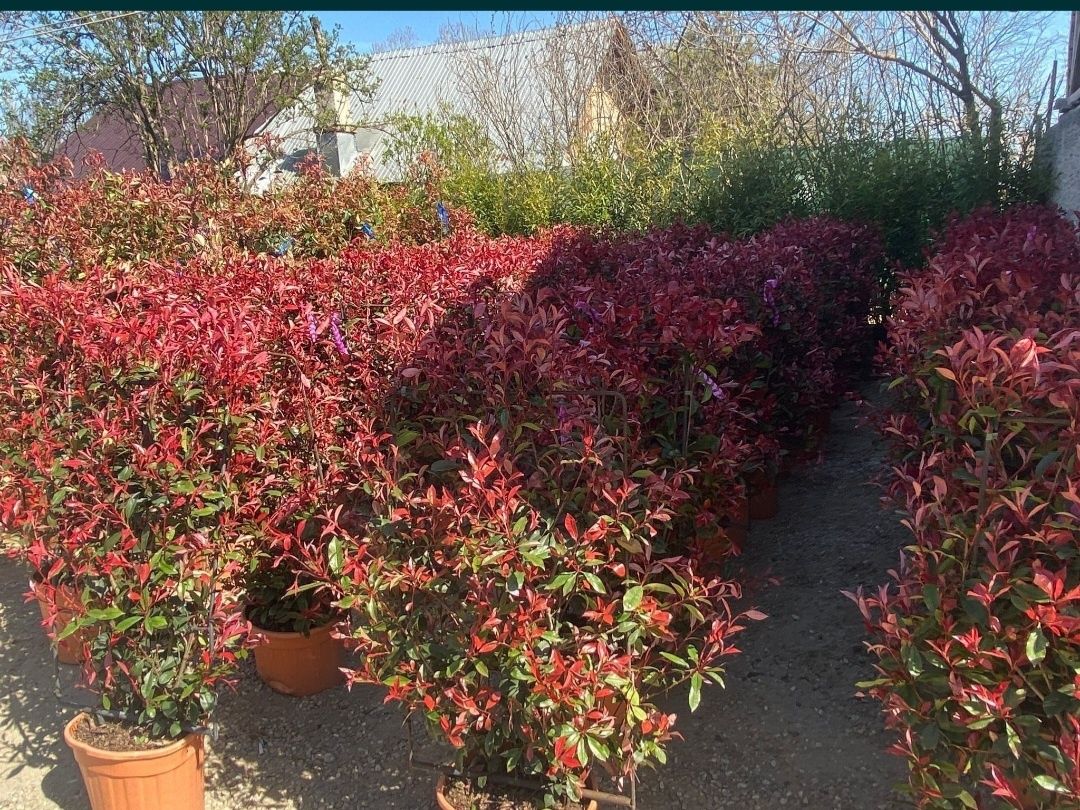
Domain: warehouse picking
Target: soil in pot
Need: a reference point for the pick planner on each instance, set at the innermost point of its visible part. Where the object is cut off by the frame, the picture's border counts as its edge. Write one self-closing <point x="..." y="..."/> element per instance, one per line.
<point x="298" y="664"/>
<point x="453" y="793"/>
<point x="70" y="650"/>
<point x="122" y="772"/>
<point x="111" y="736"/>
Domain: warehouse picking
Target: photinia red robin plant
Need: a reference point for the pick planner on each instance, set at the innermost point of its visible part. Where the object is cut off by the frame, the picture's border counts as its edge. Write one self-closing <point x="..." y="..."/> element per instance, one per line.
<point x="515" y="578"/>
<point x="55" y="221"/>
<point x="977" y="641"/>
<point x="520" y="562"/>
<point x="207" y="417"/>
<point x="152" y="453"/>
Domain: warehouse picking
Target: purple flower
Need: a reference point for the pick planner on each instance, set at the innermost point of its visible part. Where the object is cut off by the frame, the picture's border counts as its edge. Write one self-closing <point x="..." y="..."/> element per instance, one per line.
<point x="1032" y="232"/>
<point x="768" y="295"/>
<point x="713" y="385"/>
<point x="585" y="307"/>
<point x="769" y="291"/>
<point x="312" y="328"/>
<point x="336" y="336"/>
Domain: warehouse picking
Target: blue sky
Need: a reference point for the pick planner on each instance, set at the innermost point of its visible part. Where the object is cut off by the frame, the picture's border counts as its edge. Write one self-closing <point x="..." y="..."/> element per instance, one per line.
<point x="363" y="28"/>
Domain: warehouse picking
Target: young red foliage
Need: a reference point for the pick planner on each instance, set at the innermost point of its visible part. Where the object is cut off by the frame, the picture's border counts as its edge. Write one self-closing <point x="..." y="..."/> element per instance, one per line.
<point x="978" y="640"/>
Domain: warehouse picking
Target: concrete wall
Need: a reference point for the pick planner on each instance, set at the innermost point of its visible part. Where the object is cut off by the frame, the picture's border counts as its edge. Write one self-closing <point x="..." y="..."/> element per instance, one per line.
<point x="1064" y="143"/>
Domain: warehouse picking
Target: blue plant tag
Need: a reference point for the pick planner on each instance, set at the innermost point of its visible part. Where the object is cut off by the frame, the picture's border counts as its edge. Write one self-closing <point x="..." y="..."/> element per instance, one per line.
<point x="367" y="231"/>
<point x="444" y="217"/>
<point x="29" y="195"/>
<point x="284" y="246"/>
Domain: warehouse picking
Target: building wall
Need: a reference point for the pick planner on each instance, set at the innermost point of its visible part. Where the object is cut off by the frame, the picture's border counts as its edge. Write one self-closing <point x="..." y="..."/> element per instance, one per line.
<point x="1064" y="143"/>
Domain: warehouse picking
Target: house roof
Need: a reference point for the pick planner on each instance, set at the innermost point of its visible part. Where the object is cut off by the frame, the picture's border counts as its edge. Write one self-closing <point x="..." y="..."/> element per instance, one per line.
<point x="519" y="83"/>
<point x="115" y="135"/>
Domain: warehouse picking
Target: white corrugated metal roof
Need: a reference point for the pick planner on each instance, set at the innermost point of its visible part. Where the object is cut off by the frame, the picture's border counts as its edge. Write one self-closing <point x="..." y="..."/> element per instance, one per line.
<point x="527" y="87"/>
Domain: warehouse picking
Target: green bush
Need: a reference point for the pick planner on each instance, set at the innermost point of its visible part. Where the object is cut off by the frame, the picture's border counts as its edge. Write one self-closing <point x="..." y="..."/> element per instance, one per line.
<point x="733" y="181"/>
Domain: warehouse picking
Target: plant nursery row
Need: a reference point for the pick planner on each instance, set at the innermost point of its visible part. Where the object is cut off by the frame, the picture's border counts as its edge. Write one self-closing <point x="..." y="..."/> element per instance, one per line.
<point x="340" y="430"/>
<point x="507" y="473"/>
<point x="978" y="639"/>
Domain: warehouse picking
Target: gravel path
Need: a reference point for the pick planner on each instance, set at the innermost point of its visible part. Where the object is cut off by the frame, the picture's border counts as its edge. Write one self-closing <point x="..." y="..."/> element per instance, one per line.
<point x="787" y="732"/>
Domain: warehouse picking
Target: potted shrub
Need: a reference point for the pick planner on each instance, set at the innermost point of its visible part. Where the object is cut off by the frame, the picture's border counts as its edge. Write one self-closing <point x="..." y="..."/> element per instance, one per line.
<point x="161" y="639"/>
<point x="298" y="649"/>
<point x="513" y="577"/>
<point x="536" y="646"/>
<point x="157" y="412"/>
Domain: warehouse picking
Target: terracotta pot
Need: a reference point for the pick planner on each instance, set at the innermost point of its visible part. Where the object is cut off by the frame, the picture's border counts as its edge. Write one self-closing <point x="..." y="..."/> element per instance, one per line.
<point x="166" y="778"/>
<point x="444" y="803"/>
<point x="764" y="501"/>
<point x="296" y="664"/>
<point x="70" y="650"/>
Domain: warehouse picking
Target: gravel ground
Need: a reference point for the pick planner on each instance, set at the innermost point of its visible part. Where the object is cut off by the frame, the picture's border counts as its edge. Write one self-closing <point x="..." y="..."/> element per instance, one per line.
<point x="787" y="732"/>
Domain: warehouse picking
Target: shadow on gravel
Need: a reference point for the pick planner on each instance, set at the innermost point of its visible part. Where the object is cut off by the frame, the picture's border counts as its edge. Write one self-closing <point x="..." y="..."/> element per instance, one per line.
<point x="31" y="718"/>
<point x="338" y="749"/>
<point x="788" y="730"/>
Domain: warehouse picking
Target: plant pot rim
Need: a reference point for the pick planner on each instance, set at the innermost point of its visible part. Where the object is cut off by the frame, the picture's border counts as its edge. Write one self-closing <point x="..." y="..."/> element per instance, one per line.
<point x="121" y="756"/>
<point x="444" y="803"/>
<point x="289" y="635"/>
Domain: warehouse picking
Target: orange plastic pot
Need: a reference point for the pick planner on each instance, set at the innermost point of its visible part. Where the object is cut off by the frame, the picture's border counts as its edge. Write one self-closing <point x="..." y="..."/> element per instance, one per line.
<point x="70" y="650"/>
<point x="297" y="665"/>
<point x="444" y="803"/>
<point x="764" y="499"/>
<point x="166" y="778"/>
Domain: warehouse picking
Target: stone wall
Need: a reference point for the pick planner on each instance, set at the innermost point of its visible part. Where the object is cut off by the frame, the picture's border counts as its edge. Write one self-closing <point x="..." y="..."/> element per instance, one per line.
<point x="1064" y="142"/>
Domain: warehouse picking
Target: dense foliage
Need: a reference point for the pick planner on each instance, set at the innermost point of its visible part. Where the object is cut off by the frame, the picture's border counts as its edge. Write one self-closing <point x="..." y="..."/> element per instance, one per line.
<point x="741" y="181"/>
<point x="519" y="464"/>
<point x="978" y="637"/>
<point x="548" y="505"/>
<point x="55" y="223"/>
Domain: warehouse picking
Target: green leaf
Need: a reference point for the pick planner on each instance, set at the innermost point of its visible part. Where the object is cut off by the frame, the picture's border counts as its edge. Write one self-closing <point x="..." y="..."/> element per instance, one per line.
<point x="406" y="437"/>
<point x="695" y="691"/>
<point x="912" y="660"/>
<point x="1045" y="462"/>
<point x="128" y="623"/>
<point x="444" y="465"/>
<point x="932" y="597"/>
<point x="595" y="582"/>
<point x="154" y="623"/>
<point x="1047" y="782"/>
<point x="632" y="598"/>
<point x="104" y="614"/>
<point x="1036" y="646"/>
<point x="335" y="555"/>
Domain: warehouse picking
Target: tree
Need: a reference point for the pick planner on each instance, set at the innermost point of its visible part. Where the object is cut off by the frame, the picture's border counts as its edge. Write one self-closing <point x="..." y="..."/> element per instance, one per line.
<point x="189" y="83"/>
<point x="398" y="39"/>
<point x="981" y="64"/>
